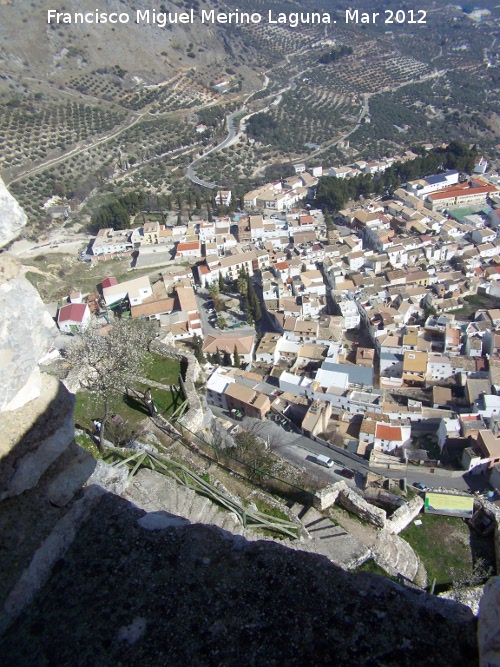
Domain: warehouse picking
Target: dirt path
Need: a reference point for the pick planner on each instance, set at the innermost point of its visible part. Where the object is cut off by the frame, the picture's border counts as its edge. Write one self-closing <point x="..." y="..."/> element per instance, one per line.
<point x="366" y="533"/>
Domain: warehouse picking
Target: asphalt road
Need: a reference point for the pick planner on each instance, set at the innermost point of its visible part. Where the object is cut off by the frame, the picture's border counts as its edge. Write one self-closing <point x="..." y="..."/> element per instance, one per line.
<point x="232" y="136"/>
<point x="301" y="451"/>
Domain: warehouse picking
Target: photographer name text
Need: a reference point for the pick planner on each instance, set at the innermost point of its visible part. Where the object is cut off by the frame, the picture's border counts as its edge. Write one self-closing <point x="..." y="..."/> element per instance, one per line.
<point x="213" y="17"/>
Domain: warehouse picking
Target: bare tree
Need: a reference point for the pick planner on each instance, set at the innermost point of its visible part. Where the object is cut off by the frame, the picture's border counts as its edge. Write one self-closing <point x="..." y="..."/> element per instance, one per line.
<point x="107" y="360"/>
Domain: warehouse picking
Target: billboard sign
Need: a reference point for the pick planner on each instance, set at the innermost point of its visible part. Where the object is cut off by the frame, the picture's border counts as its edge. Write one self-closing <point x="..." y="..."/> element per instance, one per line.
<point x="449" y="504"/>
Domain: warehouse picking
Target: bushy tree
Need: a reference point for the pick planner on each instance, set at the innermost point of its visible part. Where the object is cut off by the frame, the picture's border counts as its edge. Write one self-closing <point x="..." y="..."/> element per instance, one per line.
<point x="106" y="361"/>
<point x="236" y="357"/>
<point x="213" y="290"/>
<point x="197" y="343"/>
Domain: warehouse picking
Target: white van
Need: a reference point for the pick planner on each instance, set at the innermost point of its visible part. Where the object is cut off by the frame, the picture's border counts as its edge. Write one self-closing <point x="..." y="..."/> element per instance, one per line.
<point x="324" y="461"/>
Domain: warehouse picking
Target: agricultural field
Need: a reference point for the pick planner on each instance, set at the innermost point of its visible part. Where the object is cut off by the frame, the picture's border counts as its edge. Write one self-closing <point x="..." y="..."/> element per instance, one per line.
<point x="145" y="148"/>
<point x="305" y="115"/>
<point x="443" y="107"/>
<point x="368" y="72"/>
<point x="32" y="130"/>
<point x="421" y="83"/>
<point x="275" y="42"/>
<point x="234" y="165"/>
<point x="180" y="92"/>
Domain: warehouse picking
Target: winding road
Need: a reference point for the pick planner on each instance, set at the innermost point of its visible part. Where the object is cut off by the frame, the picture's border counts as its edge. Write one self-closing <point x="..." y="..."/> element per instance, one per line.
<point x="232" y="137"/>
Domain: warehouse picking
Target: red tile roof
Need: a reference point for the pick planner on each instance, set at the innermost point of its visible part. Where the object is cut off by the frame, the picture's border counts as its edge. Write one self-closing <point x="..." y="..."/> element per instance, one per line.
<point x="192" y="245"/>
<point x="73" y="312"/>
<point x="386" y="432"/>
<point x="109" y="282"/>
<point x="460" y="191"/>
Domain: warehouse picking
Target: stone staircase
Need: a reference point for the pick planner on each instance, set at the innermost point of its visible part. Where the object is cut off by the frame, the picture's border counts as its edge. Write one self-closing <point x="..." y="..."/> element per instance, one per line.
<point x="157" y="493"/>
<point x="326" y="538"/>
<point x="390" y="552"/>
<point x="397" y="557"/>
<point x="169" y="503"/>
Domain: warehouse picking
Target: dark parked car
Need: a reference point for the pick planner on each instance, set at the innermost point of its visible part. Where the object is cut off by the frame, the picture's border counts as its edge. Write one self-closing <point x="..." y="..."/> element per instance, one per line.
<point x="420" y="486"/>
<point x="345" y="472"/>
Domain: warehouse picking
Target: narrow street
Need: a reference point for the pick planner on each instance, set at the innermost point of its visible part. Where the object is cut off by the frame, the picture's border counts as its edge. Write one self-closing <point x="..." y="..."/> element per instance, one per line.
<point x="302" y="451"/>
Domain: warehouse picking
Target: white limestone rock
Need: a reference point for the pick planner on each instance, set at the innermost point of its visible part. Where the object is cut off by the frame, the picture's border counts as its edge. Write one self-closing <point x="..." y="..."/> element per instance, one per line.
<point x="108" y="477"/>
<point x="26" y="333"/>
<point x="63" y="488"/>
<point x="161" y="520"/>
<point x="34" y="436"/>
<point x="12" y="216"/>
<point x="471" y="597"/>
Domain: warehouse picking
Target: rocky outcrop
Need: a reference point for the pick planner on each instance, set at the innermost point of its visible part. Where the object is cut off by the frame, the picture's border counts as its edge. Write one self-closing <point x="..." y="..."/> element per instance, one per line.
<point x="404" y="515"/>
<point x="34" y="436"/>
<point x="12" y="216"/>
<point x="493" y="513"/>
<point x="468" y="595"/>
<point x="26" y="333"/>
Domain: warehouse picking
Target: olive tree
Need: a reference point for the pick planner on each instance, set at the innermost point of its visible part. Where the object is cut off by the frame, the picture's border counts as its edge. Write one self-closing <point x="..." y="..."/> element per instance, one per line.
<point x="108" y="359"/>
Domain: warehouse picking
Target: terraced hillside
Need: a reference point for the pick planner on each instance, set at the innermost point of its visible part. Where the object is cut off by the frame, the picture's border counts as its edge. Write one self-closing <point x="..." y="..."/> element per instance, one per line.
<point x="88" y="109"/>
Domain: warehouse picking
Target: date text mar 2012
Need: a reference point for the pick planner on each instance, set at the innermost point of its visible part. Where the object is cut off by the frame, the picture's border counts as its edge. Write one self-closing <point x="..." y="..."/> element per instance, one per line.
<point x="389" y="16"/>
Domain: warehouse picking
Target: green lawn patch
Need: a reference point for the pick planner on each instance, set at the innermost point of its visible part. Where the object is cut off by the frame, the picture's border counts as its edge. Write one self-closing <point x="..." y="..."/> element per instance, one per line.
<point x="132" y="408"/>
<point x="443" y="545"/>
<point x="87" y="443"/>
<point x="270" y="510"/>
<point x="163" y="370"/>
<point x="166" y="401"/>
<point x="88" y="408"/>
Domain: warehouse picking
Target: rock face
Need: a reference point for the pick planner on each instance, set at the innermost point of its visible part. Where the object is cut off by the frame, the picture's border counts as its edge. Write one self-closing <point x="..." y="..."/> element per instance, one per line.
<point x="26" y="333"/>
<point x="34" y="436"/>
<point x="12" y="216"/>
<point x="194" y="595"/>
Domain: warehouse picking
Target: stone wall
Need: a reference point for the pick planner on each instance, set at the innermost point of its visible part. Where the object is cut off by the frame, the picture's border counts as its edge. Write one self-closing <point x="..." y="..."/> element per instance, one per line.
<point x="382" y="498"/>
<point x="404" y="515"/>
<point x="327" y="496"/>
<point x="354" y="503"/>
<point x="343" y="495"/>
<point x="195" y="419"/>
